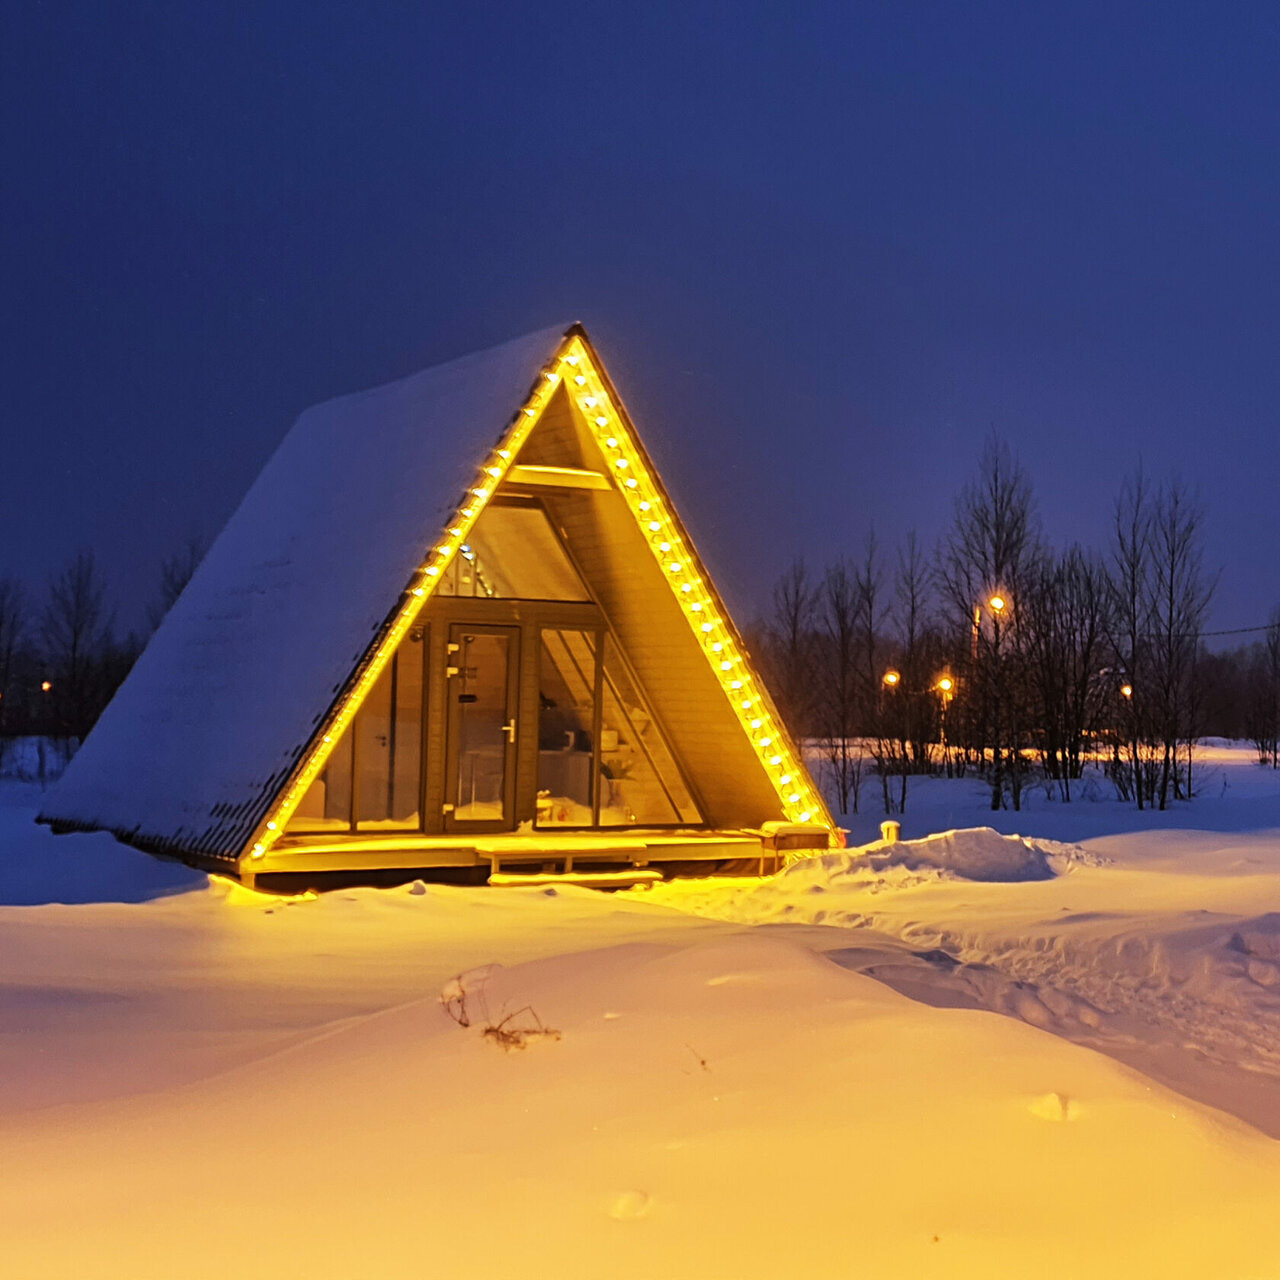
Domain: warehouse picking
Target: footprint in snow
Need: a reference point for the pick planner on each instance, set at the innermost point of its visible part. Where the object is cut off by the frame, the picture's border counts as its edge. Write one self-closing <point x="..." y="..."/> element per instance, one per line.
<point x="629" y="1206"/>
<point x="1054" y="1106"/>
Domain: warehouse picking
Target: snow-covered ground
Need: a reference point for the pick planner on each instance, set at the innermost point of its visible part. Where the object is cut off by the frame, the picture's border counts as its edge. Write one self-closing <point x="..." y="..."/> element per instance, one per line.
<point x="961" y="1057"/>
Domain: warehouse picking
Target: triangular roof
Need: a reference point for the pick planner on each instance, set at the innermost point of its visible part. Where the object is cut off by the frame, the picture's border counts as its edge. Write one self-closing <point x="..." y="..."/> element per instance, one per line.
<point x="259" y="666"/>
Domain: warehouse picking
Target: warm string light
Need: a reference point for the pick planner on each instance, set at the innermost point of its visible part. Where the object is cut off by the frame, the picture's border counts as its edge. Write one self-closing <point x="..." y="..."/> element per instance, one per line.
<point x="800" y="801"/>
<point x="702" y="611"/>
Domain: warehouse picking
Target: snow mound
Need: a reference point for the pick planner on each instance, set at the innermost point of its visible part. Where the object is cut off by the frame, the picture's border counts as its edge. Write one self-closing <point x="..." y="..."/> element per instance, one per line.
<point x="975" y="853"/>
<point x="981" y="853"/>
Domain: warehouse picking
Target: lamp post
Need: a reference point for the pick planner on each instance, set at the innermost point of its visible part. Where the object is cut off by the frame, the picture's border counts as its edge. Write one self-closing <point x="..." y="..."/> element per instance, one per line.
<point x="997" y="604"/>
<point x="944" y="687"/>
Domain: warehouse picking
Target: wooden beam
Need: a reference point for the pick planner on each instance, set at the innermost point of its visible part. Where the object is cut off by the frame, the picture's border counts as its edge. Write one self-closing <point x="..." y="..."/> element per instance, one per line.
<point x="556" y="477"/>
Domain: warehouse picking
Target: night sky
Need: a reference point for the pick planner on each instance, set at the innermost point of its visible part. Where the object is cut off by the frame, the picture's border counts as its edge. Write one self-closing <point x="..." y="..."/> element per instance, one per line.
<point x="824" y="249"/>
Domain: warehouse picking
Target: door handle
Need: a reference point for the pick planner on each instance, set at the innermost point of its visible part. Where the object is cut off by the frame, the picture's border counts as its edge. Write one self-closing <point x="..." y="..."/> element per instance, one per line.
<point x="510" y="729"/>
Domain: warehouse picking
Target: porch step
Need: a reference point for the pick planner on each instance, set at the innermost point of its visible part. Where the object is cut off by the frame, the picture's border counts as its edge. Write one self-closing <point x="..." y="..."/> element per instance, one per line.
<point x="583" y="879"/>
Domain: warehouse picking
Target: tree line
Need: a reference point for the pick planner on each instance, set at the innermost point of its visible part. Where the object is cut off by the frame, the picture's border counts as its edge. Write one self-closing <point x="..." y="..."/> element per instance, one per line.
<point x="998" y="656"/>
<point x="61" y="654"/>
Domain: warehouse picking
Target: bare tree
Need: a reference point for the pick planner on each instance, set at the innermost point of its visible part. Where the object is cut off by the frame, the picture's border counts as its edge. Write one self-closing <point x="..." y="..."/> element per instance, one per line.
<point x="1182" y="595"/>
<point x="1263" y="713"/>
<point x="76" y="646"/>
<point x="175" y="572"/>
<point x="993" y="541"/>
<point x="919" y="657"/>
<point x="1065" y="613"/>
<point x="12" y="632"/>
<point x="1132" y="622"/>
<point x="839" y="680"/>
<point x="790" y="646"/>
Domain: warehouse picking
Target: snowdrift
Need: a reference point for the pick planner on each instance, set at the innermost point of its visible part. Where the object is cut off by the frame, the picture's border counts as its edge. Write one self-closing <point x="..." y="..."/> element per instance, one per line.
<point x="977" y="853"/>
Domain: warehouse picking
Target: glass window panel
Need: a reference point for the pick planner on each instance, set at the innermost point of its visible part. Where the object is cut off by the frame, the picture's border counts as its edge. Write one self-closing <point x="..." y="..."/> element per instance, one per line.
<point x="514" y="552"/>
<point x="480" y="693"/>
<point x="327" y="803"/>
<point x="639" y="782"/>
<point x="388" y="731"/>
<point x="566" y="728"/>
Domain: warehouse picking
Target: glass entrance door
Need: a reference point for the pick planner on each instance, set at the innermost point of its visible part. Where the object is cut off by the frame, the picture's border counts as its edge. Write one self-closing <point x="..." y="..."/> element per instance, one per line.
<point x="482" y="684"/>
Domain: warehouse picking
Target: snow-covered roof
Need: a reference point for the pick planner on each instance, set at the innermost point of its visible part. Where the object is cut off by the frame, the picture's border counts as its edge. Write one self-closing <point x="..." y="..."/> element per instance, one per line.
<point x="228" y="694"/>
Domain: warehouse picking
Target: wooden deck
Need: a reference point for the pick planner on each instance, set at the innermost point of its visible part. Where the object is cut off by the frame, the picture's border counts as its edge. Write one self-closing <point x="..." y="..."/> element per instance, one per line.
<point x="532" y="850"/>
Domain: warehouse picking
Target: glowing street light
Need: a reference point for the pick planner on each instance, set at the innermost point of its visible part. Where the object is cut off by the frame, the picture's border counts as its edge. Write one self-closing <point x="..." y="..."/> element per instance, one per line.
<point x="1126" y="691"/>
<point x="891" y="679"/>
<point x="997" y="604"/>
<point x="945" y="685"/>
<point x="45" y="686"/>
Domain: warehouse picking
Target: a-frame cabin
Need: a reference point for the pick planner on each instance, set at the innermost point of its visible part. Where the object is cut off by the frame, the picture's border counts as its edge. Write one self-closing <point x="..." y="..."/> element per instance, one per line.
<point x="419" y="648"/>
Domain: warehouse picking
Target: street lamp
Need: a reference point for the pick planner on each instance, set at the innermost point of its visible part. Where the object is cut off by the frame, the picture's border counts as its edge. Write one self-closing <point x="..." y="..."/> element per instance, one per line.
<point x="945" y="687"/>
<point x="45" y="686"/>
<point x="891" y="679"/>
<point x="997" y="603"/>
<point x="1126" y="691"/>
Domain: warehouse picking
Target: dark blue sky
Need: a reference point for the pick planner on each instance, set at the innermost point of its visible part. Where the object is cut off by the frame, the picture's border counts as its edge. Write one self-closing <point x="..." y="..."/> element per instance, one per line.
<point x="824" y="249"/>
